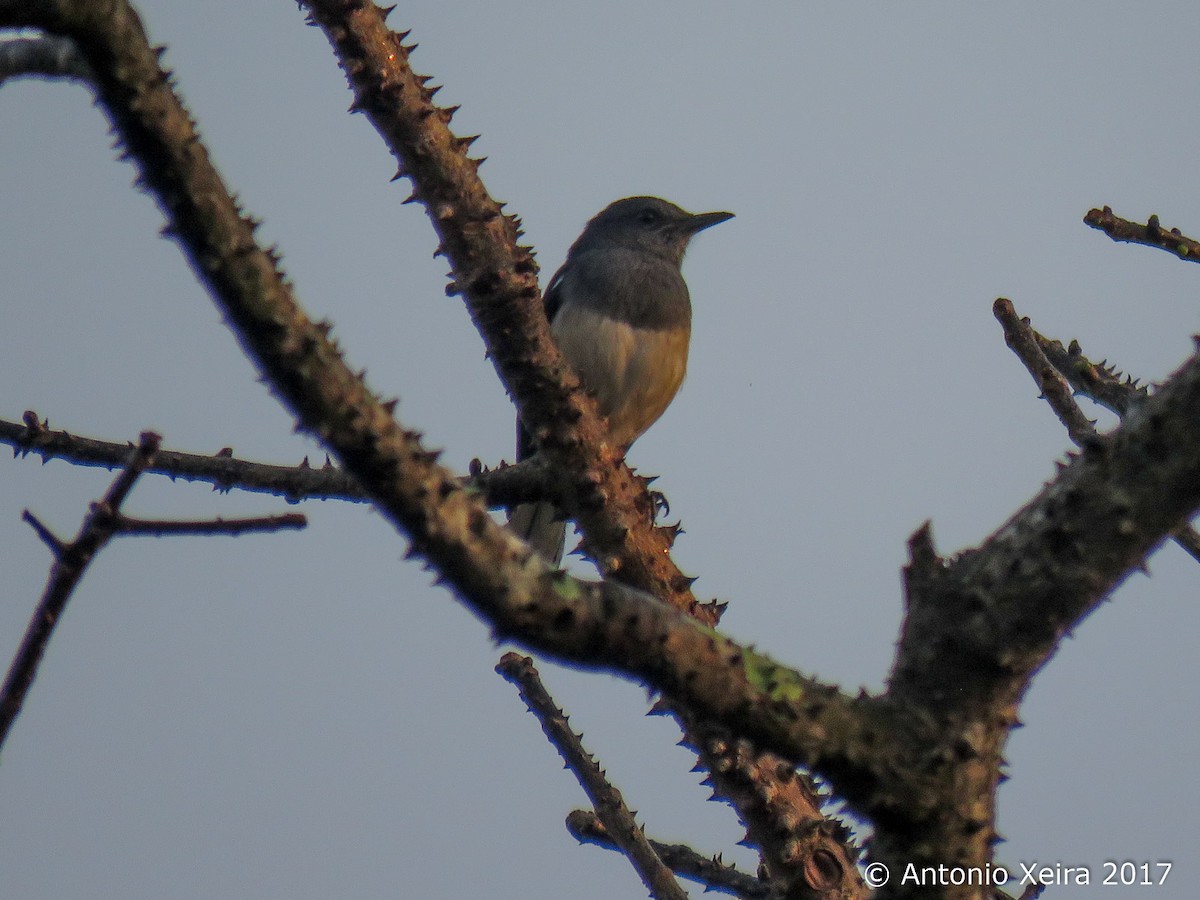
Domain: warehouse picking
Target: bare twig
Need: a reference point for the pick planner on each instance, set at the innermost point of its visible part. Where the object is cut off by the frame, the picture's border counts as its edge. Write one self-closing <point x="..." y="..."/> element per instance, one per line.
<point x="47" y="537"/>
<point x="1022" y="340"/>
<point x="1055" y="371"/>
<point x="610" y="807"/>
<point x="222" y="470"/>
<point x="503" y="486"/>
<point x="45" y="57"/>
<point x="70" y="562"/>
<point x="585" y="826"/>
<point x="231" y="527"/>
<point x="1152" y="234"/>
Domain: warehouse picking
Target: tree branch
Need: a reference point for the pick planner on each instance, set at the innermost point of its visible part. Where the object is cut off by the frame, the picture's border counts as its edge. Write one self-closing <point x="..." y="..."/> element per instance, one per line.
<point x="980" y="626"/>
<point x="70" y="562"/>
<point x="1022" y="340"/>
<point x="222" y="469"/>
<point x="586" y="827"/>
<point x="1151" y="234"/>
<point x="1052" y="378"/>
<point x="217" y="526"/>
<point x="1099" y="382"/>
<point x="618" y="819"/>
<point x="504" y="486"/>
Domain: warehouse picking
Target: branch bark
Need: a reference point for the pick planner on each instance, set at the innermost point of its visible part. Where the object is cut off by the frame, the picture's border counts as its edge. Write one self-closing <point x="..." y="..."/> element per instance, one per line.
<point x="1152" y="234"/>
<point x="714" y="874"/>
<point x="71" y="560"/>
<point x="980" y="626"/>
<point x="504" y="486"/>
<point x="619" y="821"/>
<point x="1055" y="380"/>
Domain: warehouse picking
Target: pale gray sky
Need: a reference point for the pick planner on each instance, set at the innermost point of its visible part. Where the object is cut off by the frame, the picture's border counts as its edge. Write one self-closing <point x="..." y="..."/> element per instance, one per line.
<point x="303" y="716"/>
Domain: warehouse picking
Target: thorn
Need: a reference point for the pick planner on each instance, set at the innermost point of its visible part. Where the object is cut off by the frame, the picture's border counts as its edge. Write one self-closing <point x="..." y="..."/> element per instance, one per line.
<point x="684" y="583"/>
<point x="659" y="707"/>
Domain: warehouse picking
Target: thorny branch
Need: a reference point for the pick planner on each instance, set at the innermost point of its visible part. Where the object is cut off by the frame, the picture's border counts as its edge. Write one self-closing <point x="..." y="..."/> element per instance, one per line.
<point x="70" y="562"/>
<point x="618" y="819"/>
<point x="528" y="480"/>
<point x="221" y="469"/>
<point x="71" y="559"/>
<point x="1054" y="379"/>
<point x="1022" y="340"/>
<point x="716" y="875"/>
<point x="1099" y="382"/>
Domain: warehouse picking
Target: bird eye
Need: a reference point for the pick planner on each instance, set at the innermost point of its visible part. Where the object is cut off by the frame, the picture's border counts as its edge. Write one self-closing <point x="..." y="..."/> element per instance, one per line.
<point x="648" y="217"/>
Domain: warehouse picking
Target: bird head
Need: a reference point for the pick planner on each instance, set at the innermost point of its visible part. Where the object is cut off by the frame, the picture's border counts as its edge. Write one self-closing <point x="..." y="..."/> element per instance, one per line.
<point x="649" y="224"/>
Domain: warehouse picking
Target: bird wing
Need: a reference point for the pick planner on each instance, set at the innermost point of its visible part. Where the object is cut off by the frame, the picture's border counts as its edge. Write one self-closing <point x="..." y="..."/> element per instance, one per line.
<point x="552" y="300"/>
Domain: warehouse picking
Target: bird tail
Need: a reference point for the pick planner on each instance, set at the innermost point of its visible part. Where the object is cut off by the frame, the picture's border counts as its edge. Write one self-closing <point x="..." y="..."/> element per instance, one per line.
<point x="542" y="527"/>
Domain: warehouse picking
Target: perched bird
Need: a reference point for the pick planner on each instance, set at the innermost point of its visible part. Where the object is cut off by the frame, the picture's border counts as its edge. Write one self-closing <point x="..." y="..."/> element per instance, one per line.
<point x="620" y="313"/>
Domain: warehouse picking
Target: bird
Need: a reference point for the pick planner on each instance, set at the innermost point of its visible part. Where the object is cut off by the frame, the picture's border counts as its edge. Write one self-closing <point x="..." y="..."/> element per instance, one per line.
<point x="620" y="313"/>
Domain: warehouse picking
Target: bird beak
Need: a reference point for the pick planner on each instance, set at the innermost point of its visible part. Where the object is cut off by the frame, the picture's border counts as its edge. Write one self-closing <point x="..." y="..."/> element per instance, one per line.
<point x="700" y="221"/>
